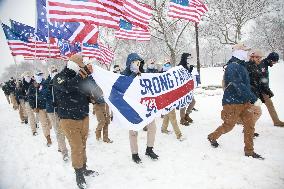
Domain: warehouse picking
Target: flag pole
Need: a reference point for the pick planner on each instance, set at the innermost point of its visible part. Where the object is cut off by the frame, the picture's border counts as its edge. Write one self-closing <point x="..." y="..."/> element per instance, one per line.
<point x="197" y="47"/>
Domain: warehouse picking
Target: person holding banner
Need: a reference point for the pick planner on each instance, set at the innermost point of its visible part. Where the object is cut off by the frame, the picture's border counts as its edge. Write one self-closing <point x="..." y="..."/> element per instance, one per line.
<point x="134" y="67"/>
<point x="184" y="112"/>
<point x="72" y="92"/>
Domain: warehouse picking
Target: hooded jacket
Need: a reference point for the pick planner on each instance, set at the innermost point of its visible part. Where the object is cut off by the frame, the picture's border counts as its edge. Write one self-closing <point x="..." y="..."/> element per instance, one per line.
<point x="183" y="62"/>
<point x="237" y="84"/>
<point x="133" y="57"/>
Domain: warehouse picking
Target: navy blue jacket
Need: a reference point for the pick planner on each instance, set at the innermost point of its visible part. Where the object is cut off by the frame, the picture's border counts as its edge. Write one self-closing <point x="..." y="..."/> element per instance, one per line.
<point x="132" y="57"/>
<point x="72" y="95"/>
<point x="26" y="86"/>
<point x="237" y="84"/>
<point x="20" y="93"/>
<point x="48" y="95"/>
<point x="36" y="96"/>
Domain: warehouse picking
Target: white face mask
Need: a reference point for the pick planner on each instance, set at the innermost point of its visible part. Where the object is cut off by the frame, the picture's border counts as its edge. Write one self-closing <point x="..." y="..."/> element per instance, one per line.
<point x="241" y="55"/>
<point x="73" y="66"/>
<point x="38" y="78"/>
<point x="27" y="78"/>
<point x="151" y="66"/>
<point x="134" y="67"/>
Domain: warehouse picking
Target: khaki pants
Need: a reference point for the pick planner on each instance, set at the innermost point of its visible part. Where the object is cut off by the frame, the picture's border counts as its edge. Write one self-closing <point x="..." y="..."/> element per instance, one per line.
<point x="60" y="137"/>
<point x="187" y="110"/>
<point x="230" y="115"/>
<point x="103" y="117"/>
<point x="22" y="110"/>
<point x="14" y="101"/>
<point x="8" y="98"/>
<point x="271" y="109"/>
<point x="76" y="132"/>
<point x="31" y="117"/>
<point x="151" y="133"/>
<point x="171" y="117"/>
<point x="45" y="123"/>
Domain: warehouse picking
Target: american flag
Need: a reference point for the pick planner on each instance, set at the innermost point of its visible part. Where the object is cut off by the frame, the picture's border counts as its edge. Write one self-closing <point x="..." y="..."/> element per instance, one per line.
<point x="138" y="14"/>
<point x="87" y="11"/>
<point x="190" y="10"/>
<point x="38" y="45"/>
<point x="128" y="31"/>
<point x="72" y="31"/>
<point x="99" y="52"/>
<point x="17" y="46"/>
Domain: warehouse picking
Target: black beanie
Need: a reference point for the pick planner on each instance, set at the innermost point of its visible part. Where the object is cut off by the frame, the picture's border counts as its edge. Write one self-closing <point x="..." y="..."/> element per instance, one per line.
<point x="273" y="57"/>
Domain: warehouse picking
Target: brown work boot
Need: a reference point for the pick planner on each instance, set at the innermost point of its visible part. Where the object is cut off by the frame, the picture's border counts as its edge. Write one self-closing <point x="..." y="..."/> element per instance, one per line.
<point x="184" y="122"/>
<point x="165" y="131"/>
<point x="180" y="137"/>
<point x="108" y="140"/>
<point x="48" y="139"/>
<point x="279" y="124"/>
<point x="188" y="119"/>
<point x="98" y="135"/>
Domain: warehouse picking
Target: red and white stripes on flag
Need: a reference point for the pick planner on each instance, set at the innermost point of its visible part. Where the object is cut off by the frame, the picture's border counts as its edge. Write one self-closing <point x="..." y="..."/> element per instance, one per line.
<point x="19" y="47"/>
<point x="136" y="33"/>
<point x="85" y="33"/>
<point x="88" y="11"/>
<point x="138" y="14"/>
<point x="42" y="50"/>
<point x="193" y="12"/>
<point x="101" y="53"/>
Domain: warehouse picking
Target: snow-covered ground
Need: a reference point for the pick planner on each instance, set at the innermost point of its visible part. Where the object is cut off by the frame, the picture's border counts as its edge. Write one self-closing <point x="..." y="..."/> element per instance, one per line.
<point x="26" y="162"/>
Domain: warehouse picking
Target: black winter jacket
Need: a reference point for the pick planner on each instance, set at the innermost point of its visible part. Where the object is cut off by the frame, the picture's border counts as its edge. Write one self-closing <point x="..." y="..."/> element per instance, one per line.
<point x="256" y="78"/>
<point x="72" y="95"/>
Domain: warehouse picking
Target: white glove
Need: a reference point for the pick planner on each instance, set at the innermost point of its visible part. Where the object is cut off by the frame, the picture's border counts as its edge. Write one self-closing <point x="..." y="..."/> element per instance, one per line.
<point x="258" y="102"/>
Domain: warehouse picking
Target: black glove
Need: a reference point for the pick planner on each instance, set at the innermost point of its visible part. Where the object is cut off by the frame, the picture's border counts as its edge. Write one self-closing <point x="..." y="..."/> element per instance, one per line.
<point x="269" y="93"/>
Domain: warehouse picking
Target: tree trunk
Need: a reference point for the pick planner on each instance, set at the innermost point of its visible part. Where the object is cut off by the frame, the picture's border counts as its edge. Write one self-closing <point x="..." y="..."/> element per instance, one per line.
<point x="173" y="57"/>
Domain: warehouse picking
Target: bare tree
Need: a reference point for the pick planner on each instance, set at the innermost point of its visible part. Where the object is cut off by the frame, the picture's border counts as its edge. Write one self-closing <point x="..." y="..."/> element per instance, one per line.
<point x="226" y="19"/>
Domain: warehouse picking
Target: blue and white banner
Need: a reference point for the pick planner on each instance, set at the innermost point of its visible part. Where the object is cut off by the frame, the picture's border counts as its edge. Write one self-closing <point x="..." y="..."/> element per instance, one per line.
<point x="136" y="102"/>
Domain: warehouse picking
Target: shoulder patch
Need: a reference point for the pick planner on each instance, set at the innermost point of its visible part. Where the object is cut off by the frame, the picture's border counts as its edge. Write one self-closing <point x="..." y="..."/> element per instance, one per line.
<point x="60" y="80"/>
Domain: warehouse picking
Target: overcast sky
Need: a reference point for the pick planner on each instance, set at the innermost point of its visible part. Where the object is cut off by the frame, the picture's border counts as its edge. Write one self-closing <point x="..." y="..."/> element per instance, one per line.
<point x="18" y="10"/>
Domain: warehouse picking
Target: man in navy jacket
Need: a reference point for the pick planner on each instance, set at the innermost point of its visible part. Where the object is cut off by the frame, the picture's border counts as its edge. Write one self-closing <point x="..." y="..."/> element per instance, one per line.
<point x="237" y="101"/>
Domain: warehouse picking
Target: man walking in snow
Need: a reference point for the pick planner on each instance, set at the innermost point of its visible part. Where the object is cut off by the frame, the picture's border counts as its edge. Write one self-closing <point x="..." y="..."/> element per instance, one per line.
<point x="269" y="61"/>
<point x="237" y="101"/>
<point x="51" y="111"/>
<point x="37" y="101"/>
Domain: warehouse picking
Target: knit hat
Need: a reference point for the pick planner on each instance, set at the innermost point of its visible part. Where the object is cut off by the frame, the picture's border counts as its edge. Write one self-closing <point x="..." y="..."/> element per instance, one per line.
<point x="273" y="57"/>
